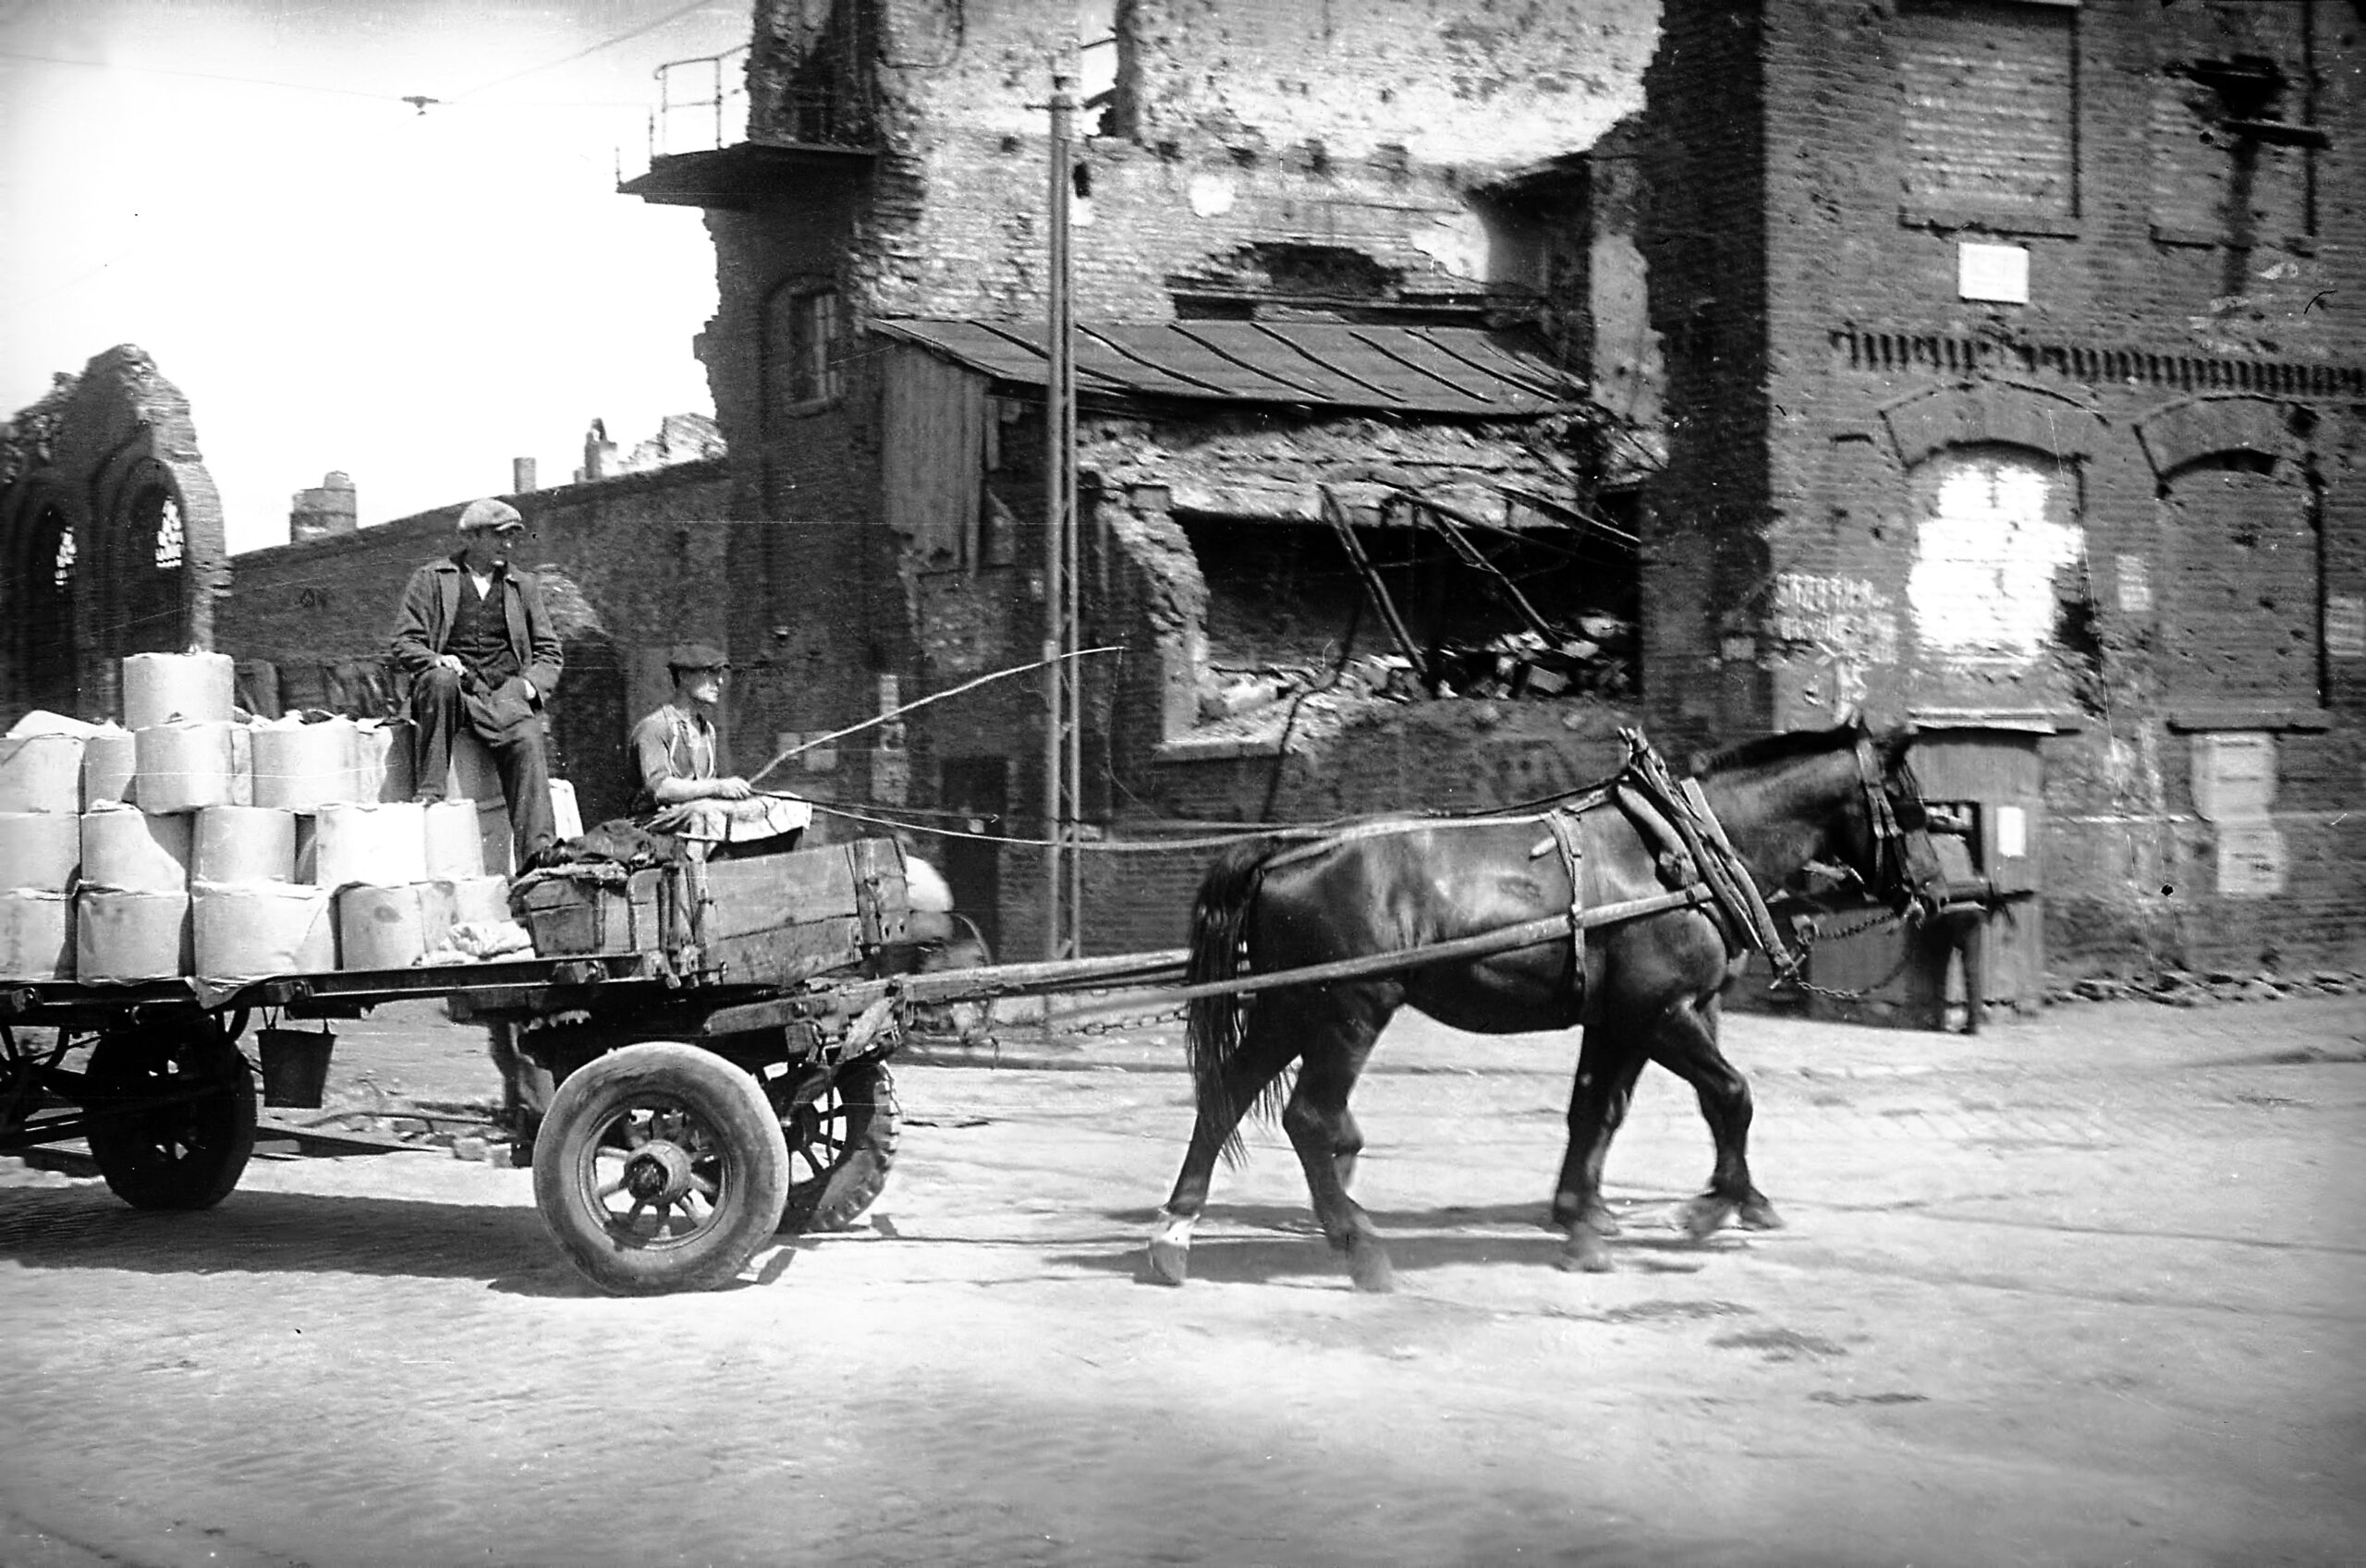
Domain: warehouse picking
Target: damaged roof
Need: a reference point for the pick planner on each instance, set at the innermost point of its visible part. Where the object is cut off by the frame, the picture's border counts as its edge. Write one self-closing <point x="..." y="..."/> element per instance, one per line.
<point x="1456" y="371"/>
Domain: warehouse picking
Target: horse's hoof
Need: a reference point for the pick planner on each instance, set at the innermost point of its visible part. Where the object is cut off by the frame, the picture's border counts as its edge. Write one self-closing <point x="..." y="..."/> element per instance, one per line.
<point x="1169" y="1264"/>
<point x="1584" y="1254"/>
<point x="1757" y="1214"/>
<point x="1369" y="1267"/>
<point x="1704" y="1216"/>
<point x="1568" y="1215"/>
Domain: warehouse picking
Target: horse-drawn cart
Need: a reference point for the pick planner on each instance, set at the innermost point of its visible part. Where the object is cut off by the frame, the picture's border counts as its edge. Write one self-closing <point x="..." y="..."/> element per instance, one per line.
<point x="718" y="1036"/>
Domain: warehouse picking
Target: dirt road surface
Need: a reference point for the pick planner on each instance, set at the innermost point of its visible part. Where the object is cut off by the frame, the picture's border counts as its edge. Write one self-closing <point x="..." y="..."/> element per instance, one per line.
<point x="2086" y="1289"/>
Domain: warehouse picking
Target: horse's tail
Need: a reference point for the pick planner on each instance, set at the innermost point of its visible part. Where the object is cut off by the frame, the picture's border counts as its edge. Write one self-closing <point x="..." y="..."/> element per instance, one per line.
<point x="1215" y="1022"/>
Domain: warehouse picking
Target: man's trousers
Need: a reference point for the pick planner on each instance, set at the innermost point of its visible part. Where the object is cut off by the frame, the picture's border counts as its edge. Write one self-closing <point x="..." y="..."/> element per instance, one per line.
<point x="510" y="726"/>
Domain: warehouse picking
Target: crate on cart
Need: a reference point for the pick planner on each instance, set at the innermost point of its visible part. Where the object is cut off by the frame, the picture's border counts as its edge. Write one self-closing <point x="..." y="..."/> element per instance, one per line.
<point x="573" y="911"/>
<point x="780" y="919"/>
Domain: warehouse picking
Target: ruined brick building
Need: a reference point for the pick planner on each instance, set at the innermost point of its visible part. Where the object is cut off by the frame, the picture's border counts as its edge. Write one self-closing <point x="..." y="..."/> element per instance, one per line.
<point x="1993" y="364"/>
<point x="110" y="535"/>
<point x="1310" y="313"/>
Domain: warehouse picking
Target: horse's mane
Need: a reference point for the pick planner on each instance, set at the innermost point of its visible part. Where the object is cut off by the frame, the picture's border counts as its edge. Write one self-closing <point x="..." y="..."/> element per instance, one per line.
<point x="1780" y="746"/>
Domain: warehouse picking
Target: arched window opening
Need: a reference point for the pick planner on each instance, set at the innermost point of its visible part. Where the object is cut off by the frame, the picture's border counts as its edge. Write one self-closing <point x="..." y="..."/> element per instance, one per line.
<point x="169" y="541"/>
<point x="46" y="634"/>
<point x="153" y="619"/>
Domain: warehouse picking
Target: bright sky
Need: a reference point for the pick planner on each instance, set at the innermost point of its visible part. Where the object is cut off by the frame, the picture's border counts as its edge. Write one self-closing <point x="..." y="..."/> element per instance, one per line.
<point x="335" y="279"/>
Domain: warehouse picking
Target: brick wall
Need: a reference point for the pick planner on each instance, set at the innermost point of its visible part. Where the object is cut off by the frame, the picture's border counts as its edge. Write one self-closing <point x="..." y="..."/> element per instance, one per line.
<point x="630" y="566"/>
<point x="2127" y="507"/>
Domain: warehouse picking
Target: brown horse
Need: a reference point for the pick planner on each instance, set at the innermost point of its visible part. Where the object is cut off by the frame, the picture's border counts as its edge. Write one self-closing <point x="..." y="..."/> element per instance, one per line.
<point x="1645" y="989"/>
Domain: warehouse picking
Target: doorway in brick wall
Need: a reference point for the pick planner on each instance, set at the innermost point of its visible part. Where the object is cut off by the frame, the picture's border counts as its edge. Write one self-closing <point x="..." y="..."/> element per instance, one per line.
<point x="977" y="790"/>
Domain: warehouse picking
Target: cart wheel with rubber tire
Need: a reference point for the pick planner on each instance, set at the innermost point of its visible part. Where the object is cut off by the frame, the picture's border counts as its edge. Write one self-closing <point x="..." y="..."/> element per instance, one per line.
<point x="171" y="1108"/>
<point x="660" y="1167"/>
<point x="841" y="1146"/>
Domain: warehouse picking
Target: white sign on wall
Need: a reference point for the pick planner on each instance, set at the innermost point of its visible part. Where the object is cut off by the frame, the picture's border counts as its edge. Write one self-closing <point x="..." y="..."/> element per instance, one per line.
<point x="2135" y="585"/>
<point x="2233" y="775"/>
<point x="1998" y="272"/>
<point x="2251" y="860"/>
<point x="2346" y="625"/>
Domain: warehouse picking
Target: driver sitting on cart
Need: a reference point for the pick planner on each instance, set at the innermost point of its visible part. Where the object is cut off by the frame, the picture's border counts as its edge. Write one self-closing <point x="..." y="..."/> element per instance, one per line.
<point x="674" y="763"/>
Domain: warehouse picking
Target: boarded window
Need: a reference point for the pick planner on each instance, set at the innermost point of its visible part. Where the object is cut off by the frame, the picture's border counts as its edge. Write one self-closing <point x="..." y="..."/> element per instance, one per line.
<point x="2225" y="66"/>
<point x="1990" y="116"/>
<point x="2242" y="584"/>
<point x="806" y="347"/>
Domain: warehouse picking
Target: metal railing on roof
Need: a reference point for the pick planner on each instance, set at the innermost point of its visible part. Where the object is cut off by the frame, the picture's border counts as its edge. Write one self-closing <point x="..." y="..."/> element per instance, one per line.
<point x="702" y="104"/>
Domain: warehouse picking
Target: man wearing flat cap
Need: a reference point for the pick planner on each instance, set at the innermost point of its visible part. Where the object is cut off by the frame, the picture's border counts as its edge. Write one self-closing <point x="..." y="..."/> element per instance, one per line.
<point x="674" y="763"/>
<point x="479" y="646"/>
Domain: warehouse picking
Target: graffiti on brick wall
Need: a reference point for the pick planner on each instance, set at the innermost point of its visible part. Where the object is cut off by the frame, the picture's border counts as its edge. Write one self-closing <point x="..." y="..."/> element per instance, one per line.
<point x="1983" y="582"/>
<point x="1846" y="624"/>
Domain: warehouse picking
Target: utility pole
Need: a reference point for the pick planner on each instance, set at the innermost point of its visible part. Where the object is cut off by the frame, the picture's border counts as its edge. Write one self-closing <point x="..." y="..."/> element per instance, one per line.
<point x="1062" y="680"/>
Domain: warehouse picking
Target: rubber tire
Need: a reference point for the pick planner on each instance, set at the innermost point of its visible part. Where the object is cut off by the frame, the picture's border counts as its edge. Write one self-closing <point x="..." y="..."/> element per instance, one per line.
<point x="845" y="1175"/>
<point x="179" y="1157"/>
<point x="727" y="1103"/>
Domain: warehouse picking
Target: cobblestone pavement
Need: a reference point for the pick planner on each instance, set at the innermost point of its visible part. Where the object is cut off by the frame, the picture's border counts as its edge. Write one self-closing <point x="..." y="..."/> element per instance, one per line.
<point x="2086" y="1289"/>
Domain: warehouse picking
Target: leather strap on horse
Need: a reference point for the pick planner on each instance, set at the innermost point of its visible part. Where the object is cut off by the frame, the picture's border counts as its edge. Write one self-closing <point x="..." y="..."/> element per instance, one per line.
<point x="1568" y="829"/>
<point x="1331" y="839"/>
<point x="1686" y="809"/>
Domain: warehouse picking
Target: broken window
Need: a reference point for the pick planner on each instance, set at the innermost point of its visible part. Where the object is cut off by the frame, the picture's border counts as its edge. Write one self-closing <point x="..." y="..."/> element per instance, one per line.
<point x="44" y="630"/>
<point x="1304" y="281"/>
<point x="1542" y="611"/>
<point x="805" y="343"/>
<point x="1990" y="112"/>
<point x="2233" y="147"/>
<point x="151" y="603"/>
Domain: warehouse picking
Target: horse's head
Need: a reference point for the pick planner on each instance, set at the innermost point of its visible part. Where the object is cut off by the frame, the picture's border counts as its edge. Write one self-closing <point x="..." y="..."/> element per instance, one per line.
<point x="1899" y="864"/>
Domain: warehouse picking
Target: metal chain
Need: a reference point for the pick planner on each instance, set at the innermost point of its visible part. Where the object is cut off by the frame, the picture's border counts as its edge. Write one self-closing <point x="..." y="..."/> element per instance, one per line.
<point x="1834" y="993"/>
<point x="1132" y="1020"/>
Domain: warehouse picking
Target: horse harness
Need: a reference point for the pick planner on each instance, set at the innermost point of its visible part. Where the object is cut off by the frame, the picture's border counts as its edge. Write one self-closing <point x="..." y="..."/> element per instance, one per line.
<point x="1688" y="845"/>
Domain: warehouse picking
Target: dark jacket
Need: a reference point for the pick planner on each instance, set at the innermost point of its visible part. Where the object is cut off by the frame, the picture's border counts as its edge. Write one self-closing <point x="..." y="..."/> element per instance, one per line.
<point x="433" y="598"/>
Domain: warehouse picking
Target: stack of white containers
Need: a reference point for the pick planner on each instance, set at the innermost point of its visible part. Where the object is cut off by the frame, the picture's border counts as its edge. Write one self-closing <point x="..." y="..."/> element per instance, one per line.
<point x="188" y="843"/>
<point x="41" y="790"/>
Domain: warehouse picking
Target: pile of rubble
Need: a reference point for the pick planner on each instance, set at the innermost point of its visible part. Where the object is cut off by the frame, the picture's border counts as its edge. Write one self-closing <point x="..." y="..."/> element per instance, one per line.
<point x="2187" y="988"/>
<point x="1594" y="659"/>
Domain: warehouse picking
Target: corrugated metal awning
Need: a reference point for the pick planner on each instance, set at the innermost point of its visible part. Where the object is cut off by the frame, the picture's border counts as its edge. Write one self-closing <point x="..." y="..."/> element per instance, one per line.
<point x="1457" y="371"/>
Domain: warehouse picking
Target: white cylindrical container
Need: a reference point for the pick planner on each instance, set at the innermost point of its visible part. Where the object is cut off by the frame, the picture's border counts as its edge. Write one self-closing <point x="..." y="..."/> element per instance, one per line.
<point x="41" y="772"/>
<point x="36" y="935"/>
<point x="476" y="901"/>
<point x="178" y="688"/>
<point x="243" y="765"/>
<point x="39" y="850"/>
<point x="389" y="928"/>
<point x="244" y="843"/>
<point x="383" y="843"/>
<point x="184" y="767"/>
<point x="133" y="850"/>
<point x="247" y="931"/>
<point x="566" y="817"/>
<point x="130" y="936"/>
<point x="110" y="761"/>
<point x="453" y="847"/>
<point x="382" y="760"/>
<point x="304" y="767"/>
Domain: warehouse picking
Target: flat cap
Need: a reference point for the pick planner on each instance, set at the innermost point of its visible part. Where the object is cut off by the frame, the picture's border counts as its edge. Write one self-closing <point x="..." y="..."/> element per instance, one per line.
<point x="479" y="515"/>
<point x="697" y="656"/>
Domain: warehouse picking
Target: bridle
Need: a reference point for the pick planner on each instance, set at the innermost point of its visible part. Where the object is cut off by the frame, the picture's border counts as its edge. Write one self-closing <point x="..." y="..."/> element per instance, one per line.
<point x="1907" y="872"/>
